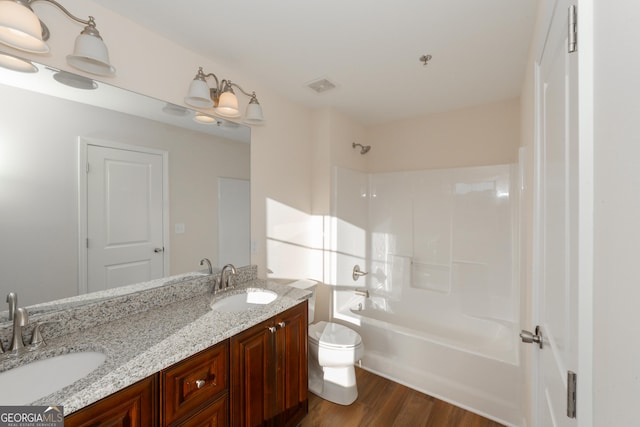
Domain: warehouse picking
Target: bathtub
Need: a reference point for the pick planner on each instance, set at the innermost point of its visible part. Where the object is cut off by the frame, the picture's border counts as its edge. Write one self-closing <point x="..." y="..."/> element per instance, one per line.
<point x="468" y="361"/>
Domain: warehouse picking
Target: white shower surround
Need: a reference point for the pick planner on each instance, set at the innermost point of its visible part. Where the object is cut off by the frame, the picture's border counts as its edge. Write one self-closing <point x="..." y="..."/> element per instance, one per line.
<point x="440" y="247"/>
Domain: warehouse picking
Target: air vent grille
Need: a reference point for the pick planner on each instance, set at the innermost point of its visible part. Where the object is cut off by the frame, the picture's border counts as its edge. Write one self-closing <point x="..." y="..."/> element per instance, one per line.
<point x="321" y="85"/>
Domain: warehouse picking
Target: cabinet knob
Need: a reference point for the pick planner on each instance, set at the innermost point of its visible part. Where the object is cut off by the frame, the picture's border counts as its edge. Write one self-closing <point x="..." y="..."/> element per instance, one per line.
<point x="282" y="324"/>
<point x="200" y="383"/>
<point x="272" y="329"/>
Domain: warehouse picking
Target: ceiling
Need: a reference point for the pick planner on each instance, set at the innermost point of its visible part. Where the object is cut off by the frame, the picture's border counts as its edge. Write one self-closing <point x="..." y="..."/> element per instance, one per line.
<point x="369" y="49"/>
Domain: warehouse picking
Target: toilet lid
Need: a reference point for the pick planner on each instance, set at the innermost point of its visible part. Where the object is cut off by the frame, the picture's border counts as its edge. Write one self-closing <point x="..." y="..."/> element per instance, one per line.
<point x="333" y="335"/>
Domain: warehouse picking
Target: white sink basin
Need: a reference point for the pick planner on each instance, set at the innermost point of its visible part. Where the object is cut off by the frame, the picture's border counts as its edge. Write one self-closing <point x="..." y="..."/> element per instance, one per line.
<point x="27" y="383"/>
<point x="252" y="297"/>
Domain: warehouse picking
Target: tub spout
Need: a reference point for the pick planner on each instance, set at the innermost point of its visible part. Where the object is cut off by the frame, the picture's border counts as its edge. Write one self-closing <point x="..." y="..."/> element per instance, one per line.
<point x="363" y="292"/>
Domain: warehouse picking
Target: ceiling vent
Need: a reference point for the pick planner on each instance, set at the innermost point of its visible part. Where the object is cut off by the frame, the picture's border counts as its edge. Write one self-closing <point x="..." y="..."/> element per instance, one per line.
<point x="321" y="85"/>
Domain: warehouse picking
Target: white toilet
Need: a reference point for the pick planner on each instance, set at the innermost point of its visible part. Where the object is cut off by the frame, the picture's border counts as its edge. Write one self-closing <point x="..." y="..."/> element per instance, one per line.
<point x="333" y="351"/>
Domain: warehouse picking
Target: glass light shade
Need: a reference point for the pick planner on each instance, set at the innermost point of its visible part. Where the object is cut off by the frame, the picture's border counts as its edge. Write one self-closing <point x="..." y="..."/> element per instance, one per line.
<point x="174" y="110"/>
<point x="254" y="114"/>
<point x="14" y="63"/>
<point x="75" y="81"/>
<point x="20" y="28"/>
<point x="90" y="54"/>
<point x="199" y="94"/>
<point x="228" y="105"/>
<point x="204" y="118"/>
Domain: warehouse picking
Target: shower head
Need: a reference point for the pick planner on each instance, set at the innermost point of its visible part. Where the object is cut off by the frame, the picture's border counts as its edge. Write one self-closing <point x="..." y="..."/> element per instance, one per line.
<point x="364" y="149"/>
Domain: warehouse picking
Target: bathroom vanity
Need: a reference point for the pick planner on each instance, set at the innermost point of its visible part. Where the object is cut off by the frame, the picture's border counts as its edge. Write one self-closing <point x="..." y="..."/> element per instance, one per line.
<point x="182" y="363"/>
<point x="258" y="377"/>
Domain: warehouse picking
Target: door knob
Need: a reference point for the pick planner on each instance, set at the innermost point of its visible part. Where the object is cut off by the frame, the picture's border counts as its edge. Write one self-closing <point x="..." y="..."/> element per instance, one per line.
<point x="158" y="250"/>
<point x="528" y="337"/>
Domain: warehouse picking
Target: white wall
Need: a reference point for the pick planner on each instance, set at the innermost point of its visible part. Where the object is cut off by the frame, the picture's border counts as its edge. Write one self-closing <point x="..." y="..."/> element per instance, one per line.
<point x="617" y="214"/>
<point x="476" y="136"/>
<point x="334" y="134"/>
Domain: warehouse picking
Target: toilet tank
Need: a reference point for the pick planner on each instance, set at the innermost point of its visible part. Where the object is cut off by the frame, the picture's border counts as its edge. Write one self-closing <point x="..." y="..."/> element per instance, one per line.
<point x="309" y="285"/>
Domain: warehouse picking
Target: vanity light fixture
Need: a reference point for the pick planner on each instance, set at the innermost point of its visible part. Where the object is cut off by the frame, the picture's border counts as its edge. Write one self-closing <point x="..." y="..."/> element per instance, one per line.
<point x="222" y="98"/>
<point x="14" y="63"/>
<point x="21" y="29"/>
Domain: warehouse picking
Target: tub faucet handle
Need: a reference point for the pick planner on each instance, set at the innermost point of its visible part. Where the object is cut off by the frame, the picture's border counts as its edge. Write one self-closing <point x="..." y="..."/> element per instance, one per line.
<point x="357" y="272"/>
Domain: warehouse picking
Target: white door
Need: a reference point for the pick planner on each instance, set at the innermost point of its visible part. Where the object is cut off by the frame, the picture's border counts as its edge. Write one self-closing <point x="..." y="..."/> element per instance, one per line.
<point x="558" y="215"/>
<point x="124" y="217"/>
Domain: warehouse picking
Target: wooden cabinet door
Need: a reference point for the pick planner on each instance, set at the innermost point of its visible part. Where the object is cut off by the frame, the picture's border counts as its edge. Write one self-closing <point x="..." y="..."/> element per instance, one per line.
<point x="214" y="415"/>
<point x="134" y="406"/>
<point x="291" y="365"/>
<point x="269" y="371"/>
<point x="252" y="375"/>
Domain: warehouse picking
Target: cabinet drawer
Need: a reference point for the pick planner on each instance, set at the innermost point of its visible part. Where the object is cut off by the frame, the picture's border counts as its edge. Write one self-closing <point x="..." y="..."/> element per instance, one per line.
<point x="195" y="382"/>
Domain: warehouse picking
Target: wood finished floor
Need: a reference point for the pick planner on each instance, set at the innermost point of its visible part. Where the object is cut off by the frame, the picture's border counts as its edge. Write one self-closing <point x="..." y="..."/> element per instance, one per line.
<point x="383" y="403"/>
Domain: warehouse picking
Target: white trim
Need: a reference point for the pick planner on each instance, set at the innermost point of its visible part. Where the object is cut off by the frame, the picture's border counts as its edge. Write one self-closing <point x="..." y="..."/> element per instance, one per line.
<point x="536" y="245"/>
<point x="82" y="216"/>
<point x="83" y="144"/>
<point x="585" y="402"/>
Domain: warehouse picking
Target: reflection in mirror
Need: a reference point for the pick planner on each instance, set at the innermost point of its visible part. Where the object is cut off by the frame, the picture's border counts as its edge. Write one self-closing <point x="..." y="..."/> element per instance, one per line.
<point x="61" y="227"/>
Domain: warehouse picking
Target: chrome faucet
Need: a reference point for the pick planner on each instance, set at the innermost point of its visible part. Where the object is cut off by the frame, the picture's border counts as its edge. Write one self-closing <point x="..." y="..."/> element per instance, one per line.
<point x="20" y="319"/>
<point x="204" y="261"/>
<point x="12" y="299"/>
<point x="228" y="271"/>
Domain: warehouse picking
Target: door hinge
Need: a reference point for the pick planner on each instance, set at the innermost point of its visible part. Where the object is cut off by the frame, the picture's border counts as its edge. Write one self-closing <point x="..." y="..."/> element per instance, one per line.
<point x="87" y="167"/>
<point x="87" y="242"/>
<point x="573" y="29"/>
<point x="572" y="385"/>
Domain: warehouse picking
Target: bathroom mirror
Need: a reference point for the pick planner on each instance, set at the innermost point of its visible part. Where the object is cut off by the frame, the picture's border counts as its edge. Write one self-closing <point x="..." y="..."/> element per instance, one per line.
<point x="49" y="118"/>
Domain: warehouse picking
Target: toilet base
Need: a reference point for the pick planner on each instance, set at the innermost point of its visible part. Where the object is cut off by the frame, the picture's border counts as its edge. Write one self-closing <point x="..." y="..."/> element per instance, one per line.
<point x="337" y="385"/>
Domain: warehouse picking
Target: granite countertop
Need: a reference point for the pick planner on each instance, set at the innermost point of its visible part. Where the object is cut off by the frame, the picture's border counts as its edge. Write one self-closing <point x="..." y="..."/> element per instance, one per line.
<point x="142" y="344"/>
